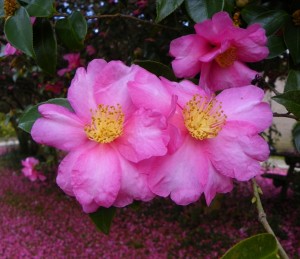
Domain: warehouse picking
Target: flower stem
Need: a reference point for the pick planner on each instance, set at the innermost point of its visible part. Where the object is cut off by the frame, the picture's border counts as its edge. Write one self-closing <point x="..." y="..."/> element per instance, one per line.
<point x="285" y="115"/>
<point x="262" y="217"/>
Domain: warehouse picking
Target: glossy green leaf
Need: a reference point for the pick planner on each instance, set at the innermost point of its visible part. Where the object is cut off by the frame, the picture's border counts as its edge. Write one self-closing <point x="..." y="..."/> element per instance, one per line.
<point x="32" y="114"/>
<point x="292" y="40"/>
<point x="18" y="31"/>
<point x="271" y="20"/>
<point x="290" y="100"/>
<point x="276" y="46"/>
<point x="103" y="218"/>
<point x="157" y="68"/>
<point x="40" y="8"/>
<point x="250" y="12"/>
<point x="2" y="14"/>
<point x="296" y="136"/>
<point x="72" y="30"/>
<point x="79" y="25"/>
<point x="200" y="10"/>
<point x="293" y="81"/>
<point x="165" y="8"/>
<point x="262" y="246"/>
<point x="45" y="45"/>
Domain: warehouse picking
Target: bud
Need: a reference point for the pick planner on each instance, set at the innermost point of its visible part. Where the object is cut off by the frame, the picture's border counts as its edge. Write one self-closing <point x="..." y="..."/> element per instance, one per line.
<point x="296" y="17"/>
<point x="241" y="3"/>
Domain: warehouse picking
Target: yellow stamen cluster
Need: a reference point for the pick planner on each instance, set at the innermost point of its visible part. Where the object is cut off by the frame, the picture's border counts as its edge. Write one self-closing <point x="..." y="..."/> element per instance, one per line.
<point x="106" y="125"/>
<point x="227" y="58"/>
<point x="10" y="6"/>
<point x="203" y="117"/>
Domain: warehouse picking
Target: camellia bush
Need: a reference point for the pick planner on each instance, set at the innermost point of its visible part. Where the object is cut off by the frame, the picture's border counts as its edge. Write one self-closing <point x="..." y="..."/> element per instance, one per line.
<point x="151" y="99"/>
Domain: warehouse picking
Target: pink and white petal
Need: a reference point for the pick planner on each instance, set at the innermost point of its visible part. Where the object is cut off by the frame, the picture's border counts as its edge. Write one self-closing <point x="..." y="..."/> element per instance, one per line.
<point x="111" y="85"/>
<point x="58" y="128"/>
<point x="134" y="183"/>
<point x="145" y="135"/>
<point x="247" y="106"/>
<point x="216" y="183"/>
<point x="187" y="50"/>
<point x="237" y="151"/>
<point x="147" y="91"/>
<point x="96" y="177"/>
<point x="181" y="175"/>
<point x="217" y="78"/>
<point x="81" y="94"/>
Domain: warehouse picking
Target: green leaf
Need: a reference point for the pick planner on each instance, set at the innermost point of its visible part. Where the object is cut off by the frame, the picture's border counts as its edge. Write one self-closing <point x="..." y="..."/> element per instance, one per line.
<point x="165" y="8"/>
<point x="200" y="10"/>
<point x="40" y="8"/>
<point x="292" y="40"/>
<point x="262" y="246"/>
<point x="271" y="20"/>
<point x="18" y="31"/>
<point x="157" y="68"/>
<point x="276" y="46"/>
<point x="103" y="218"/>
<point x="296" y="136"/>
<point x="250" y="12"/>
<point x="290" y="100"/>
<point x="72" y="30"/>
<point x="32" y="114"/>
<point x="45" y="45"/>
<point x="293" y="81"/>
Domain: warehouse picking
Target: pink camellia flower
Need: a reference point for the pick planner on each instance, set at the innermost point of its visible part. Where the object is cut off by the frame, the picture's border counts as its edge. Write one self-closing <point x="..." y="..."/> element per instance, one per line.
<point x="219" y="50"/>
<point x="108" y="139"/>
<point x="217" y="137"/>
<point x="73" y="63"/>
<point x="29" y="170"/>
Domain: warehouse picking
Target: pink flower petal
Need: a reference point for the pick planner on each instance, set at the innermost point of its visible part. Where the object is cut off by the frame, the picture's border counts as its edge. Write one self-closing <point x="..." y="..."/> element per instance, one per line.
<point x="181" y="175"/>
<point x="217" y="78"/>
<point x="59" y="128"/>
<point x="187" y="50"/>
<point x="145" y="135"/>
<point x="216" y="183"/>
<point x="96" y="177"/>
<point x="81" y="93"/>
<point x="247" y="106"/>
<point x="237" y="151"/>
<point x="133" y="183"/>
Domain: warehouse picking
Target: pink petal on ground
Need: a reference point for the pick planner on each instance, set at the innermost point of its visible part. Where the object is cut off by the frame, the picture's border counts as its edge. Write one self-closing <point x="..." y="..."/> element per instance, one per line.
<point x="134" y="183"/>
<point x="247" y="106"/>
<point x="187" y="50"/>
<point x="237" y="151"/>
<point x="96" y="177"/>
<point x="58" y="128"/>
<point x="217" y="78"/>
<point x="181" y="175"/>
<point x="216" y="183"/>
<point x="145" y="135"/>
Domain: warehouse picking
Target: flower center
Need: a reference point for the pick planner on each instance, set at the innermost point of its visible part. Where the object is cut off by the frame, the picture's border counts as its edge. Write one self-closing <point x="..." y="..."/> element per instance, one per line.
<point x="10" y="6"/>
<point x="227" y="58"/>
<point x="203" y="117"/>
<point x="107" y="124"/>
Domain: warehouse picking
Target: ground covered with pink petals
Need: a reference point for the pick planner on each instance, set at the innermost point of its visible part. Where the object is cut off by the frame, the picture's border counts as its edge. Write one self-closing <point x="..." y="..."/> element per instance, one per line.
<point x="39" y="221"/>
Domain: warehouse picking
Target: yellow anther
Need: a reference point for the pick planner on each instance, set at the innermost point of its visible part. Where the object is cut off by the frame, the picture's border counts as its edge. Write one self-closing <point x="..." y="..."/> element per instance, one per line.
<point x="106" y="124"/>
<point x="227" y="58"/>
<point x="203" y="117"/>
